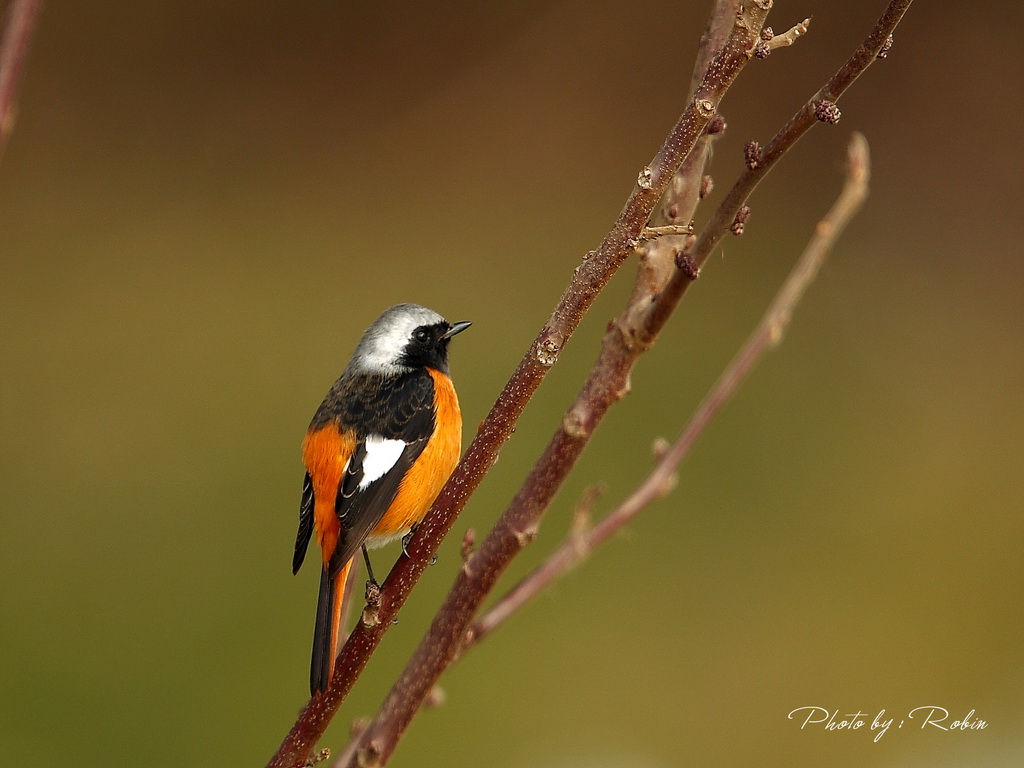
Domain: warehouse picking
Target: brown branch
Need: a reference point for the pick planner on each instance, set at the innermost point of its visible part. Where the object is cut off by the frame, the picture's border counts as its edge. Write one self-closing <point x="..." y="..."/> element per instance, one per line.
<point x="672" y="220"/>
<point x="588" y="280"/>
<point x="770" y="41"/>
<point x="666" y="230"/>
<point x="878" y="40"/>
<point x="582" y="540"/>
<point x="576" y="547"/>
<point x="790" y="36"/>
<point x="19" y="22"/>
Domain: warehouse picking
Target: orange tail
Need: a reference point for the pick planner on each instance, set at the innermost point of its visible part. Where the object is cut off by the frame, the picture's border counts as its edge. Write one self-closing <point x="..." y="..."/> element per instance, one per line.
<point x="325" y="635"/>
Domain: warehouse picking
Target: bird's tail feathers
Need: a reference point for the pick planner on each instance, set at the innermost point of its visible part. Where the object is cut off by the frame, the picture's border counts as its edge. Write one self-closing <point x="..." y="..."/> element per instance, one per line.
<point x="325" y="635"/>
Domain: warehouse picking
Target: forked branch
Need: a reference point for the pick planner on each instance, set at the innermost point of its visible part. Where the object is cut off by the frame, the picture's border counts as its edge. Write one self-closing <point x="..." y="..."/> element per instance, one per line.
<point x="816" y="109"/>
<point x="584" y="538"/>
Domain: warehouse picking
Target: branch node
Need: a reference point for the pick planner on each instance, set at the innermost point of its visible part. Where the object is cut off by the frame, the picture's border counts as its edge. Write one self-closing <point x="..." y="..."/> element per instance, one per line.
<point x="525" y="537"/>
<point x="886" y="47"/>
<point x="627" y="383"/>
<point x="752" y="154"/>
<point x="580" y="523"/>
<point x="645" y="179"/>
<point x="660" y="447"/>
<point x="650" y="233"/>
<point x="371" y="613"/>
<point x="468" y="543"/>
<point x="688" y="266"/>
<point x="547" y="351"/>
<point x="715" y="125"/>
<point x="436" y="698"/>
<point x="582" y="514"/>
<point x="706" y="185"/>
<point x="373" y="594"/>
<point x="705" y="108"/>
<point x="358" y="727"/>
<point x="826" y="111"/>
<point x="319" y="757"/>
<point x="573" y="424"/>
<point x="370" y="756"/>
<point x="770" y="41"/>
<point x="668" y="485"/>
<point x="741" y="220"/>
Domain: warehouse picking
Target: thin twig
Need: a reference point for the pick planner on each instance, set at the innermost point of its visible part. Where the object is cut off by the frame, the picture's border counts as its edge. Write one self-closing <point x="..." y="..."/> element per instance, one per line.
<point x="790" y="36"/>
<point x="672" y="220"/>
<point x="582" y="541"/>
<point x="651" y="233"/>
<point x="18" y="24"/>
<point x="576" y="547"/>
<point x="772" y="41"/>
<point x="801" y="122"/>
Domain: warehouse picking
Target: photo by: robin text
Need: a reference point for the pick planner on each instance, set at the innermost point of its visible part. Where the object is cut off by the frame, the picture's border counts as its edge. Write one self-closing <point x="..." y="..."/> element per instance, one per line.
<point x="926" y="718"/>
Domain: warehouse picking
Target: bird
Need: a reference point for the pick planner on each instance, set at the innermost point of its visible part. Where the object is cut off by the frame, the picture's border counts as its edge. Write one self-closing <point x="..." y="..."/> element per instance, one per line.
<point x="377" y="453"/>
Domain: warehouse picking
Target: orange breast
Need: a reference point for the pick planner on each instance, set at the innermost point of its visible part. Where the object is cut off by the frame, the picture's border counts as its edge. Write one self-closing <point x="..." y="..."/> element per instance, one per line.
<point x="428" y="475"/>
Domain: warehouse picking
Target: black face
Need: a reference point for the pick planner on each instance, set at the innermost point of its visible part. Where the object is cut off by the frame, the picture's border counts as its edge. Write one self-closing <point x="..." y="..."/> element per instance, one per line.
<point x="428" y="346"/>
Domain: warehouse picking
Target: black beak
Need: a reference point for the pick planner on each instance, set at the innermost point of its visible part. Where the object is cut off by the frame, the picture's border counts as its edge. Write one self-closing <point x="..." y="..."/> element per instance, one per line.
<point x="456" y="328"/>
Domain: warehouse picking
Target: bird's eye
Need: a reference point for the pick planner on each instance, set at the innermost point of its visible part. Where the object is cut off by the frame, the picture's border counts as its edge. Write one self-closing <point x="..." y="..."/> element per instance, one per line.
<point x="421" y="335"/>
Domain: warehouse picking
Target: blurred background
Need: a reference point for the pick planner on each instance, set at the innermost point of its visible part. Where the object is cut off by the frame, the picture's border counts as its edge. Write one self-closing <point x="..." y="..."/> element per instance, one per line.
<point x="203" y="205"/>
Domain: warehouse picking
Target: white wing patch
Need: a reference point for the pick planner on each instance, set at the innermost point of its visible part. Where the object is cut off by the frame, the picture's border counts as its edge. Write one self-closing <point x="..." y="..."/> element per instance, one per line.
<point x="381" y="455"/>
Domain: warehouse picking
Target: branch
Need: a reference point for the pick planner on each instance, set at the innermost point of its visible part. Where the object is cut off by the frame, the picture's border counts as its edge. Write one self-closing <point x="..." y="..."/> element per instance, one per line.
<point x="19" y="21"/>
<point x="821" y="106"/>
<point x="583" y="539"/>
<point x="770" y="41"/>
<point x="666" y="230"/>
<point x="672" y="220"/>
<point x="587" y="282"/>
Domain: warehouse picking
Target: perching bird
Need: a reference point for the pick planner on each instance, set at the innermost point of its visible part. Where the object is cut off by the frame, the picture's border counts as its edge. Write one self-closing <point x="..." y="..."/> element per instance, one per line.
<point x="380" y="447"/>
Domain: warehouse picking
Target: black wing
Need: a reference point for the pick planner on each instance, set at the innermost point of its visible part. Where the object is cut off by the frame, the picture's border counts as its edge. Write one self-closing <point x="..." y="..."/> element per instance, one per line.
<point x="305" y="524"/>
<point x="402" y="409"/>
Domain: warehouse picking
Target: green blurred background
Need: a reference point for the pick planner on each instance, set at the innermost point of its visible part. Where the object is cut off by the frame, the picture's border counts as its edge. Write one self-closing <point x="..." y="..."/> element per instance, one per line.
<point x="204" y="204"/>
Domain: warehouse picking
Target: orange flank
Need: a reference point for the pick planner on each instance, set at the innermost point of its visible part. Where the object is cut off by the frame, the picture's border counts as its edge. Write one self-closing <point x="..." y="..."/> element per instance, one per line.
<point x="325" y="453"/>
